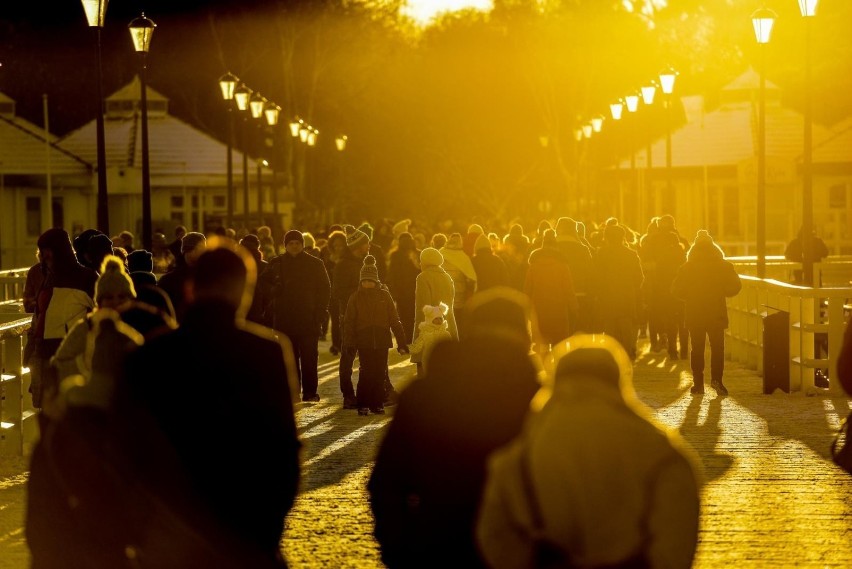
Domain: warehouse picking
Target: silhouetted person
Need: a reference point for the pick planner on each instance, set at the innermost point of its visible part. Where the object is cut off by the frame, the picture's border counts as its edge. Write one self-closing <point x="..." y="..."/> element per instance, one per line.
<point x="402" y="280"/>
<point x="490" y="268"/>
<point x="550" y="286"/>
<point x="844" y="362"/>
<point x="173" y="282"/>
<point x="703" y="283"/>
<point x="426" y="484"/>
<point x="593" y="479"/>
<point x="432" y="287"/>
<point x="795" y="252"/>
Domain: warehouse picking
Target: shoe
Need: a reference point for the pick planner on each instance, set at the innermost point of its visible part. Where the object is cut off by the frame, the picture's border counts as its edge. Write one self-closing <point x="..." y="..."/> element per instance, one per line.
<point x="720" y="389"/>
<point x="311" y="398"/>
<point x="376" y="410"/>
<point x="334" y="351"/>
<point x="350" y="402"/>
<point x="363" y="411"/>
<point x="697" y="389"/>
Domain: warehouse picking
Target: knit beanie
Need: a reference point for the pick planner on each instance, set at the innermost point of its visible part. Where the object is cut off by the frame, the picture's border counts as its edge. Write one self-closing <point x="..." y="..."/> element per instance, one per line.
<point x="140" y="260"/>
<point x="431" y="256"/>
<point x="475" y="228"/>
<point x="566" y="227"/>
<point x="614" y="234"/>
<point x="192" y="240"/>
<point x="250" y="242"/>
<point x="367" y="229"/>
<point x="369" y="271"/>
<point x="294" y="235"/>
<point x="482" y="243"/>
<point x="433" y="312"/>
<point x="454" y="242"/>
<point x="355" y="237"/>
<point x="585" y="362"/>
<point x="400" y="226"/>
<point x="114" y="279"/>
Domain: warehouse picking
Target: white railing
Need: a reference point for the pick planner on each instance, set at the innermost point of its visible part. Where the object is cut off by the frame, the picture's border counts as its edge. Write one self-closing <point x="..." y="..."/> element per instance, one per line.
<point x="12" y="283"/>
<point x="18" y="422"/>
<point x="835" y="271"/>
<point x="816" y="319"/>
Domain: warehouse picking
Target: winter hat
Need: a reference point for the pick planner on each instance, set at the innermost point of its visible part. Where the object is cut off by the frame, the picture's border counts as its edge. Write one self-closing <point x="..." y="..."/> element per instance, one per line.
<point x="294" y="235"/>
<point x="250" y="242"/>
<point x="454" y="242"/>
<point x="367" y="229"/>
<point x="369" y="271"/>
<point x="114" y="279"/>
<point x="666" y="222"/>
<point x="475" y="228"/>
<point x="355" y="237"/>
<point x="405" y="240"/>
<point x="566" y="227"/>
<point x="549" y="238"/>
<point x="433" y="312"/>
<point x="310" y="242"/>
<point x="99" y="245"/>
<point x="400" y="226"/>
<point x="614" y="234"/>
<point x="498" y="310"/>
<point x="703" y="236"/>
<point x="431" y="256"/>
<point x="192" y="240"/>
<point x="140" y="260"/>
<point x="589" y="362"/>
<point x="482" y="243"/>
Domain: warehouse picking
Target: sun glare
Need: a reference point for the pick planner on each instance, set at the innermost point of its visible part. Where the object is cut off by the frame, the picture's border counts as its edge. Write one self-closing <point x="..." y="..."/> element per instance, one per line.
<point x="424" y="11"/>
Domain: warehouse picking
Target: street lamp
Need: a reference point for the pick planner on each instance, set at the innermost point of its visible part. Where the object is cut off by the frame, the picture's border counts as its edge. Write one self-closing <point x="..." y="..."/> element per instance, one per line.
<point x="763" y="20"/>
<point x="597" y="123"/>
<point x="95" y="14"/>
<point x="648" y="94"/>
<point x="241" y="96"/>
<point x="808" y="10"/>
<point x="227" y="84"/>
<point x="340" y="142"/>
<point x="667" y="82"/>
<point x="141" y="31"/>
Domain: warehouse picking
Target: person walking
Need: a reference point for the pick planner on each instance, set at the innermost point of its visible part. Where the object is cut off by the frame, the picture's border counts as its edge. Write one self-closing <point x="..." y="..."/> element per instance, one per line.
<point x="579" y="258"/>
<point x="550" y="286"/>
<point x="369" y="320"/>
<point x="331" y="255"/>
<point x="402" y="280"/>
<point x="703" y="283"/>
<point x="297" y="286"/>
<point x="346" y="280"/>
<point x="489" y="267"/>
<point x="174" y="282"/>
<point x="433" y="286"/>
<point x="458" y="265"/>
<point x="433" y="330"/>
<point x="593" y="480"/>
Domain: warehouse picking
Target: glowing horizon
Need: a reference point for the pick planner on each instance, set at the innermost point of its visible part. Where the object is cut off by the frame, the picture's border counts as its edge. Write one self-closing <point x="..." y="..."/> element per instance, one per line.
<point x="424" y="11"/>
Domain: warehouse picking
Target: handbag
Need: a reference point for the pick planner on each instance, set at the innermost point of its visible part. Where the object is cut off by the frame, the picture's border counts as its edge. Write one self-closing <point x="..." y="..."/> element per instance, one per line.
<point x="841" y="451"/>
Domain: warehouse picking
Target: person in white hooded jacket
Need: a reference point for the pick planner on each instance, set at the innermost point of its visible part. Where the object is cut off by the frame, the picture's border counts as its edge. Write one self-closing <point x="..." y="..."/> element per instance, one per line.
<point x="592" y="480"/>
<point x="433" y="330"/>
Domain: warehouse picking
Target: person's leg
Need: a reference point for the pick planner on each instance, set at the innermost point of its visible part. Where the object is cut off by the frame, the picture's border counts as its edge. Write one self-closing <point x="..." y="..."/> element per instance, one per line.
<point x="696" y="358"/>
<point x="370" y="378"/>
<point x="297" y="355"/>
<point x="344" y="371"/>
<point x="309" y="355"/>
<point x="336" y="327"/>
<point x="717" y="359"/>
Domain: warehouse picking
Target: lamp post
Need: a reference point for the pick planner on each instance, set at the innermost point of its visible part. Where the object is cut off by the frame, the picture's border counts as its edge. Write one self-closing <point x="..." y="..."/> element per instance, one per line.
<point x="808" y="10"/>
<point x="241" y="96"/>
<point x="616" y="110"/>
<point x="631" y="101"/>
<point x="762" y="19"/>
<point x="95" y="14"/>
<point x="272" y="112"/>
<point x="141" y="31"/>
<point x="227" y="84"/>
<point x="257" y="104"/>
<point x="648" y="93"/>
<point x="667" y="82"/>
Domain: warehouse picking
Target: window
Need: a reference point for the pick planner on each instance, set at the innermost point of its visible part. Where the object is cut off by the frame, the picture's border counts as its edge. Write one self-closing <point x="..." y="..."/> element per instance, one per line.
<point x="219" y="202"/>
<point x="33" y="216"/>
<point x="177" y="201"/>
<point x="837" y="196"/>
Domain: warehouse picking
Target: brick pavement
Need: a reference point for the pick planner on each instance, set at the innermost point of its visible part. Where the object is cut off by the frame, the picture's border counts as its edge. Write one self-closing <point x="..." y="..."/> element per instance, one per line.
<point x="772" y="498"/>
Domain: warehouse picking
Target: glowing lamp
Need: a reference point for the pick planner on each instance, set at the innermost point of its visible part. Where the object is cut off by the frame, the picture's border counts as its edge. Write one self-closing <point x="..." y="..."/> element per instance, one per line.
<point x="312" y="137"/>
<point x="272" y="112"/>
<point x="806" y="7"/>
<point x="667" y="80"/>
<point x="763" y="20"/>
<point x="95" y="12"/>
<point x="340" y="142"/>
<point x="141" y="30"/>
<point x="303" y="133"/>
<point x="578" y="134"/>
<point x="227" y="83"/>
<point x="257" y="104"/>
<point x="616" y="109"/>
<point x="597" y="123"/>
<point x="241" y="96"/>
<point x="587" y="130"/>
<point x="632" y="102"/>
<point x="648" y="93"/>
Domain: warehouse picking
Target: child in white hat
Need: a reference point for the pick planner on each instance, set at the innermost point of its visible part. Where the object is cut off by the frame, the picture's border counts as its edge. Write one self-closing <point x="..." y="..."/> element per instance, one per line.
<point x="433" y="330"/>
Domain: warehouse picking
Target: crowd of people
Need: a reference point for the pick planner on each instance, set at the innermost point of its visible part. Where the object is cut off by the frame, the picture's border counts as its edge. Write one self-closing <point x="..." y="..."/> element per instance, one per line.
<point x="146" y="364"/>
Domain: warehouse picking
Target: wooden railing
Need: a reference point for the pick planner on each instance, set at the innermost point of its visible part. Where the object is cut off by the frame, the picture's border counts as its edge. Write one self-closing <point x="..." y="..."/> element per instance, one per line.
<point x="817" y="321"/>
<point x="18" y="423"/>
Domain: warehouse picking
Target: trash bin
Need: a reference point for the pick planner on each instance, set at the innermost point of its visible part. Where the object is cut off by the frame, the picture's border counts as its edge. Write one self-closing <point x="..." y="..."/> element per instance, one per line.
<point x="776" y="351"/>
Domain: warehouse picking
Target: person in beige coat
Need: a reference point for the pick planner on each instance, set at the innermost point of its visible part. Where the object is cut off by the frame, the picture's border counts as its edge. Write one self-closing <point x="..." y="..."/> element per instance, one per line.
<point x="592" y="480"/>
<point x="432" y="287"/>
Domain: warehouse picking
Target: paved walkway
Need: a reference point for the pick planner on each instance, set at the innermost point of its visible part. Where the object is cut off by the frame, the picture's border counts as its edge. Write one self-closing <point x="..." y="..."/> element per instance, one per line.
<point x="772" y="498"/>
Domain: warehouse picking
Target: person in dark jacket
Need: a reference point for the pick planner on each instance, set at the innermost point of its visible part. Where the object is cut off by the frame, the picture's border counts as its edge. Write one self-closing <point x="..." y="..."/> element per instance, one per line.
<point x="255" y="313"/>
<point x="297" y="285"/>
<point x="213" y="384"/>
<point x="369" y="320"/>
<point x="490" y="269"/>
<point x="347" y="277"/>
<point x="429" y="474"/>
<point x="331" y="255"/>
<point x="617" y="283"/>
<point x="549" y="285"/>
<point x="703" y="282"/>
<point x="173" y="282"/>
<point x="402" y="279"/>
<point x="795" y="252"/>
<point x="580" y="262"/>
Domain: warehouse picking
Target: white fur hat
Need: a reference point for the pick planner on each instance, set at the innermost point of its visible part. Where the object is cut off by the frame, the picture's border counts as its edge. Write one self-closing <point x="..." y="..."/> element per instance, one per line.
<point x="433" y="312"/>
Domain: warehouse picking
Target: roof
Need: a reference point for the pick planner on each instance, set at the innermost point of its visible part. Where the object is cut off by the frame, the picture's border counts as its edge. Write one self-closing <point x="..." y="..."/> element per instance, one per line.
<point x="175" y="147"/>
<point x="728" y="135"/>
<point x="837" y="148"/>
<point x="22" y="149"/>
